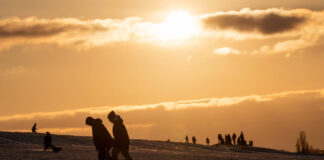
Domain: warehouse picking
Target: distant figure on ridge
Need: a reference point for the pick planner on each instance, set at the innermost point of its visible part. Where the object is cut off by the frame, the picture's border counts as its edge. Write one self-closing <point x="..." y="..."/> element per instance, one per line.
<point x="207" y="141"/>
<point x="48" y="143"/>
<point x="221" y="139"/>
<point x="121" y="139"/>
<point x="234" y="138"/>
<point x="241" y="140"/>
<point x="34" y="129"/>
<point x="228" y="139"/>
<point x="187" y="139"/>
<point x="194" y="140"/>
<point x="251" y="143"/>
<point x="101" y="138"/>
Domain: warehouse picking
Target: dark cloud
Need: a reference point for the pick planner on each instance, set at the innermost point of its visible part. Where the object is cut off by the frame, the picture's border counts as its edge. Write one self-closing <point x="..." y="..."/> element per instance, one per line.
<point x="30" y="28"/>
<point x="265" y="23"/>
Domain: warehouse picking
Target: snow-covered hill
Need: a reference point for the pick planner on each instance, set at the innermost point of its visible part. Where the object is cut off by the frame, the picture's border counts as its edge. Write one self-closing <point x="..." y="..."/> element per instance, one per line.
<point x="27" y="146"/>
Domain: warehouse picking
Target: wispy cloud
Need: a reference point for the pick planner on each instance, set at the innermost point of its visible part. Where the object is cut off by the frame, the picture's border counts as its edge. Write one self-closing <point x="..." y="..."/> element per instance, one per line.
<point x="293" y="111"/>
<point x="169" y="106"/>
<point x="226" y="51"/>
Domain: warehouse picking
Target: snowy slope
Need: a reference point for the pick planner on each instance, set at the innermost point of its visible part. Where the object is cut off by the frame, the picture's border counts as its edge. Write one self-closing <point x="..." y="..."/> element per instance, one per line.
<point x="27" y="146"/>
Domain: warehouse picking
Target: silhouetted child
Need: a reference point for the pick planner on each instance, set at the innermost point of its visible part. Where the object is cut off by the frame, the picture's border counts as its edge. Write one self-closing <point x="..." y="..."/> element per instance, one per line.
<point x="194" y="140"/>
<point x="121" y="139"/>
<point x="101" y="138"/>
<point x="251" y="143"/>
<point x="207" y="141"/>
<point x="34" y="129"/>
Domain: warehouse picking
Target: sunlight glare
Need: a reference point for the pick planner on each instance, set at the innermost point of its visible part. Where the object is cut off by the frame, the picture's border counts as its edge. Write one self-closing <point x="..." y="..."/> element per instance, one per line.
<point x="178" y="25"/>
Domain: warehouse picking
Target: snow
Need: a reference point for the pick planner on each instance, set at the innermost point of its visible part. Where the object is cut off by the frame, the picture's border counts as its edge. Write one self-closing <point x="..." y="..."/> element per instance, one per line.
<point x="28" y="146"/>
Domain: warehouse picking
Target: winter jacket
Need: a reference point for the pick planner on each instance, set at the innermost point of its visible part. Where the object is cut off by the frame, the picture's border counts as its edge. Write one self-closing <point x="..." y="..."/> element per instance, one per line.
<point x="101" y="137"/>
<point x="121" y="139"/>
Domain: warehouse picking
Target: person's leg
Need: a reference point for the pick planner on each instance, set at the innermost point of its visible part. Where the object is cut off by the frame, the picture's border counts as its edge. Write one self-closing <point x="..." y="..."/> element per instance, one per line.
<point x="114" y="153"/>
<point x="108" y="153"/>
<point x="102" y="154"/>
<point x="125" y="153"/>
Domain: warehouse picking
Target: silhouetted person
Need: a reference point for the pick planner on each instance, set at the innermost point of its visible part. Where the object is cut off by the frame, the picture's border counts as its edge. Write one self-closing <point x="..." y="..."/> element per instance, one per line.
<point x="241" y="140"/>
<point x="47" y="141"/>
<point x="34" y="129"/>
<point x="228" y="139"/>
<point x="220" y="139"/>
<point x="187" y="139"/>
<point x="101" y="138"/>
<point x="121" y="139"/>
<point x="234" y="138"/>
<point x="207" y="141"/>
<point x="194" y="140"/>
<point x="251" y="143"/>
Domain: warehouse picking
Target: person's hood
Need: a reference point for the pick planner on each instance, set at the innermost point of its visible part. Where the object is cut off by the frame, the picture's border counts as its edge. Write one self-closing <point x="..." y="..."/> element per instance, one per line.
<point x="97" y="121"/>
<point x="118" y="119"/>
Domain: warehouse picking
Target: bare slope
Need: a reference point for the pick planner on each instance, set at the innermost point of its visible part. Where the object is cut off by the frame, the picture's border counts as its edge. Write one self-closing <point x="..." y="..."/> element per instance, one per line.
<point x="29" y="146"/>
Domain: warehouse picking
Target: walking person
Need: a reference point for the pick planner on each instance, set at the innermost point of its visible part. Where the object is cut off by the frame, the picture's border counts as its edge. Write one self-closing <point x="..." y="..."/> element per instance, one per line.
<point x="34" y="129"/>
<point x="101" y="138"/>
<point x="194" y="140"/>
<point x="121" y="138"/>
<point x="207" y="141"/>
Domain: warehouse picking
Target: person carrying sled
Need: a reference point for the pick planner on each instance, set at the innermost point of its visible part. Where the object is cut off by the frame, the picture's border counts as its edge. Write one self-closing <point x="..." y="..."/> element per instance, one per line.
<point x="101" y="138"/>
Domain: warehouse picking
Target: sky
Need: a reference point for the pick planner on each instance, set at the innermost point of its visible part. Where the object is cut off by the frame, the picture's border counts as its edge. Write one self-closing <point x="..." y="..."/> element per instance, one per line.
<point x="170" y="69"/>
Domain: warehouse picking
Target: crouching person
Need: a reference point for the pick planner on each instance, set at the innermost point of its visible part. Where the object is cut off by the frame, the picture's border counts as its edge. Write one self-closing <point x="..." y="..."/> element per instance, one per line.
<point x="101" y="138"/>
<point x="121" y="139"/>
<point x="48" y="143"/>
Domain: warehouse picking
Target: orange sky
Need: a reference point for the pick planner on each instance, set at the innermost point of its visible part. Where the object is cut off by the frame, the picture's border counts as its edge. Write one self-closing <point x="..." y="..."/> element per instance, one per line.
<point x="57" y="56"/>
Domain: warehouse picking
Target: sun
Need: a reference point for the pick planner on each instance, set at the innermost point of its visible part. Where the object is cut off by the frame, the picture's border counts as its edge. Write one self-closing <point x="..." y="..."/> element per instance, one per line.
<point x="178" y="25"/>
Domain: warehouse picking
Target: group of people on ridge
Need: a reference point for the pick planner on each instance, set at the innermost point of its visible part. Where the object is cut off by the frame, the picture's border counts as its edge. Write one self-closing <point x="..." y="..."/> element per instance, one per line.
<point x="103" y="141"/>
<point x="228" y="140"/>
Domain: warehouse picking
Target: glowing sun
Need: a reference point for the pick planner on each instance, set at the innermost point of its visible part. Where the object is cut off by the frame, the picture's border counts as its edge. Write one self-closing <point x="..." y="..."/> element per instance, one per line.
<point x="178" y="25"/>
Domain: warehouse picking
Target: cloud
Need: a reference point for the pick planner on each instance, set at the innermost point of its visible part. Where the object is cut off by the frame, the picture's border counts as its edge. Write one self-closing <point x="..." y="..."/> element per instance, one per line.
<point x="269" y="21"/>
<point x="70" y="31"/>
<point x="226" y="51"/>
<point x="261" y="117"/>
<point x="292" y="30"/>
<point x="303" y="28"/>
<point x="169" y="106"/>
<point x="33" y="27"/>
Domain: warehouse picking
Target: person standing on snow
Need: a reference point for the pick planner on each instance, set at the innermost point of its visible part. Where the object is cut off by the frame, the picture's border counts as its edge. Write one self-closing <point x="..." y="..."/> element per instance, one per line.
<point x="194" y="140"/>
<point x="207" y="141"/>
<point x="101" y="138"/>
<point x="34" y="129"/>
<point x="121" y="138"/>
